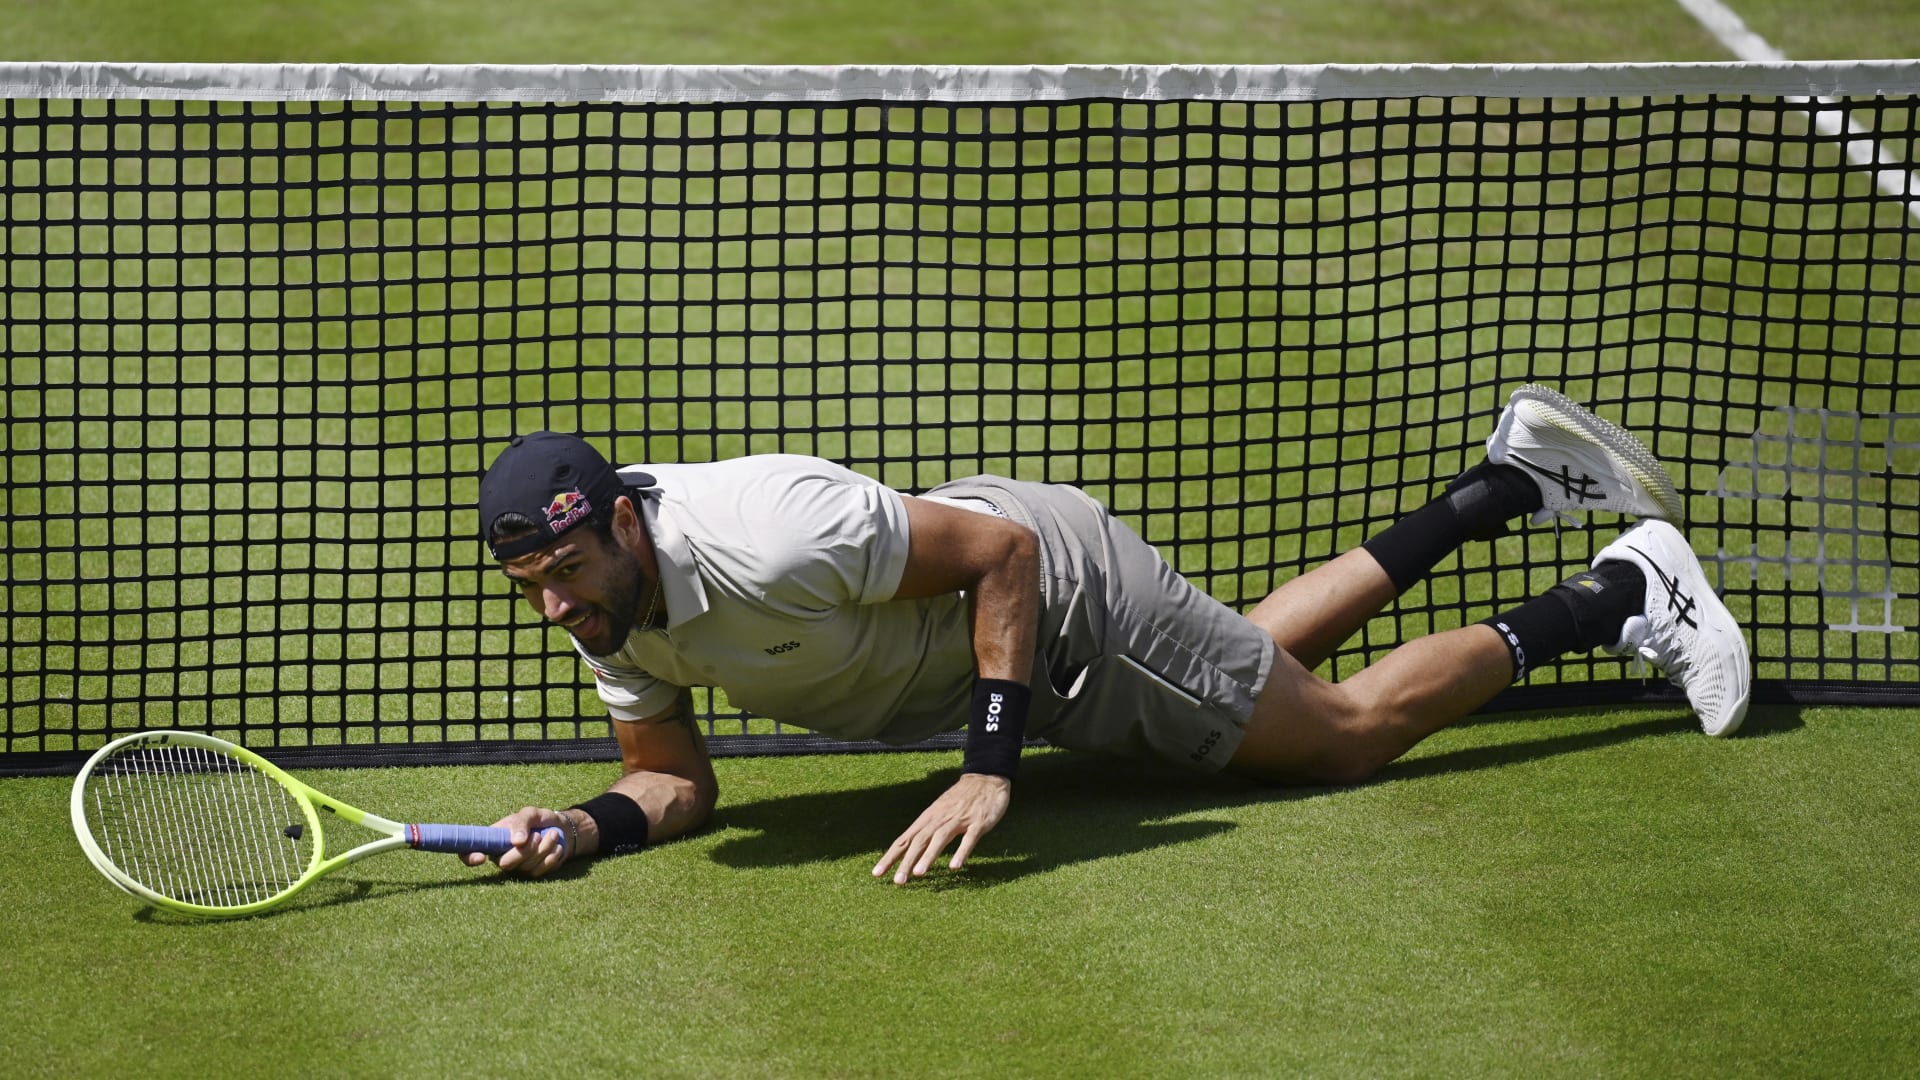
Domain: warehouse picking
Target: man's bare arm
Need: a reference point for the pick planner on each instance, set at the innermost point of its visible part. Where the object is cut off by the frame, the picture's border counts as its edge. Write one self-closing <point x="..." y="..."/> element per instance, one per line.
<point x="996" y="562"/>
<point x="665" y="771"/>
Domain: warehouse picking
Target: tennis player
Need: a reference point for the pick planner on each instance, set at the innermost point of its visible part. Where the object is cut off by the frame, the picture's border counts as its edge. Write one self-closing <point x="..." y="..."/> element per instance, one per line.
<point x="820" y="598"/>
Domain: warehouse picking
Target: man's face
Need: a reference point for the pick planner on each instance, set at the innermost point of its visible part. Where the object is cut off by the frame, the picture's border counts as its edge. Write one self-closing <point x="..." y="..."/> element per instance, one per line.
<point x="593" y="589"/>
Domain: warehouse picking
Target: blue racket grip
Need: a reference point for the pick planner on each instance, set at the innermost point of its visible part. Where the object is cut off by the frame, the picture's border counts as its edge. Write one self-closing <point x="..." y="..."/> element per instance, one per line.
<point x="460" y="839"/>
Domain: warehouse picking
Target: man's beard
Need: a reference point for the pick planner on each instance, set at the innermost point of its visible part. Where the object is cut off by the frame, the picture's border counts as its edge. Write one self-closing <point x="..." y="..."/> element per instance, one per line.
<point x="626" y="588"/>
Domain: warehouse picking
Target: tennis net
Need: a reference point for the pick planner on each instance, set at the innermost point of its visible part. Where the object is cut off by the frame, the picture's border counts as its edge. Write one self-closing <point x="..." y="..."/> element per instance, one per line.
<point x="263" y="327"/>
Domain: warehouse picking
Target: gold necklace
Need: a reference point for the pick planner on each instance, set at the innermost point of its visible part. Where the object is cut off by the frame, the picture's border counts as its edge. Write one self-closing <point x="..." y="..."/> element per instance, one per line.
<point x="652" y="605"/>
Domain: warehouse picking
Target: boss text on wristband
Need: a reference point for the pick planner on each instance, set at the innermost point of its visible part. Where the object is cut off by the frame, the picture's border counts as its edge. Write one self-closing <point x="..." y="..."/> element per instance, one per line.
<point x="996" y="727"/>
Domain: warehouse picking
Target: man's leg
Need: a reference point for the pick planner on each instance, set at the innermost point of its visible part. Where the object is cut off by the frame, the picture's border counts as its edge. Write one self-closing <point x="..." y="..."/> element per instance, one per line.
<point x="1548" y="455"/>
<point x="1646" y="593"/>
<point x="1311" y="615"/>
<point x="1305" y="729"/>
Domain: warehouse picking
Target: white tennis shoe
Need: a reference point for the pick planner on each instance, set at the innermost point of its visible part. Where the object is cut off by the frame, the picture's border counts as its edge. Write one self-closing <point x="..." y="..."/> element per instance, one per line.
<point x="1686" y="631"/>
<point x="1579" y="461"/>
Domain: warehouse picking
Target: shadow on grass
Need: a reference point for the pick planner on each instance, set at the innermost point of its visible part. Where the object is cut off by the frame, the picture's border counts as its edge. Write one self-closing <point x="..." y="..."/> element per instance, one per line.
<point x="349" y="886"/>
<point x="1760" y="723"/>
<point x="1069" y="808"/>
<point x="1072" y="808"/>
<point x="1766" y="720"/>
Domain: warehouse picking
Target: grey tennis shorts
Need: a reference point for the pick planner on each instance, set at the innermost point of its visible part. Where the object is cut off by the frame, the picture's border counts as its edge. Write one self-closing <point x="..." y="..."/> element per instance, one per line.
<point x="1133" y="659"/>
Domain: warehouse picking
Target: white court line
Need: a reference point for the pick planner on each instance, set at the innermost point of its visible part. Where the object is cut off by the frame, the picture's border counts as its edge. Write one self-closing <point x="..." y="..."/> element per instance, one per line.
<point x="1890" y="176"/>
<point x="1726" y="25"/>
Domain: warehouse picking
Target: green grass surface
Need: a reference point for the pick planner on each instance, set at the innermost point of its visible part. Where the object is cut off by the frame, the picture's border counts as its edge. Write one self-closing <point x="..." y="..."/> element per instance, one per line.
<point x="841" y="31"/>
<point x="967" y="31"/>
<point x="1597" y="894"/>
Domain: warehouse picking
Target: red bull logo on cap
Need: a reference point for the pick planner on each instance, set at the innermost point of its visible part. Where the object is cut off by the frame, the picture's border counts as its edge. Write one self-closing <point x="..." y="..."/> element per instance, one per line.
<point x="566" y="510"/>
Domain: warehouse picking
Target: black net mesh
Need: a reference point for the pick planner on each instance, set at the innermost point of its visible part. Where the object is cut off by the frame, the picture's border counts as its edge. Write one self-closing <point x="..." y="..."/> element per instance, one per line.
<point x="257" y="355"/>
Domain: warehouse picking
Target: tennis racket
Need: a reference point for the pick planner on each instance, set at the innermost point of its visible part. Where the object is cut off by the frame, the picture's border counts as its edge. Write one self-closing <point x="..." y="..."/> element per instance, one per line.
<point x="198" y="825"/>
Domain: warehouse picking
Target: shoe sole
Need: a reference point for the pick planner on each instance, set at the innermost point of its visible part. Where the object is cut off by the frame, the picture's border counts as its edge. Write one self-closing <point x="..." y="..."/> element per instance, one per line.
<point x="1575" y="419"/>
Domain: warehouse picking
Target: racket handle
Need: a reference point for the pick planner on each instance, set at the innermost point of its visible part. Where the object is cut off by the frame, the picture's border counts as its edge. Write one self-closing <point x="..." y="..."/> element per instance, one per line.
<point x="460" y="839"/>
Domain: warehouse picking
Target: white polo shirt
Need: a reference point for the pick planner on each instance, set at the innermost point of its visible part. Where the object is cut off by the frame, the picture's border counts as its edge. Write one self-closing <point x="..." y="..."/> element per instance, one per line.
<point x="777" y="574"/>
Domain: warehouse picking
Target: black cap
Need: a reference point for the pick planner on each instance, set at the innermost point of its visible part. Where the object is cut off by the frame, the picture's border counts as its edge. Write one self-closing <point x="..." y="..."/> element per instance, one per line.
<point x="552" y="480"/>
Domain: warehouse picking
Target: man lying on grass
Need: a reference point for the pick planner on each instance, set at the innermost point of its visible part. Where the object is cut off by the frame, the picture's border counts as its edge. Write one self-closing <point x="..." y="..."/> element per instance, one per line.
<point x="820" y="598"/>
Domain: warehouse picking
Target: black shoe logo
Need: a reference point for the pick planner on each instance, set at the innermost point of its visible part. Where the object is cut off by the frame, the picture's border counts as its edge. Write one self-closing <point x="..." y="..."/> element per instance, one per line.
<point x="1678" y="602"/>
<point x="1583" y="488"/>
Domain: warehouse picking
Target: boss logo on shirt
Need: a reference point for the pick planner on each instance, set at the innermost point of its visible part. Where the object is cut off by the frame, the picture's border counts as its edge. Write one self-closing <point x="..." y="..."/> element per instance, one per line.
<point x="778" y="649"/>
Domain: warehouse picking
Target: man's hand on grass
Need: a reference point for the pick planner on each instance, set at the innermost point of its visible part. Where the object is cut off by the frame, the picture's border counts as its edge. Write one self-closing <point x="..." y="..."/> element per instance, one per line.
<point x="968" y="811"/>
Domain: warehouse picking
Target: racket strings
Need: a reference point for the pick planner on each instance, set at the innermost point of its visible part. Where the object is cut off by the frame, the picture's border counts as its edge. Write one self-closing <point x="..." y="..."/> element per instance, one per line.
<point x="198" y="826"/>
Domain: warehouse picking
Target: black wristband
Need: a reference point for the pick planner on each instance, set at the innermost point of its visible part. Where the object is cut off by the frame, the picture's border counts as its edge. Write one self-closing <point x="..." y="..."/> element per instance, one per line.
<point x="996" y="727"/>
<point x="618" y="820"/>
